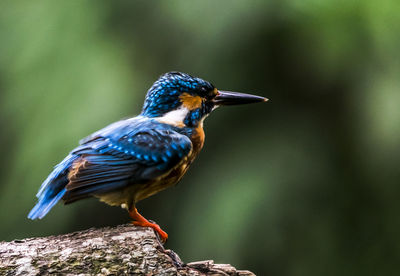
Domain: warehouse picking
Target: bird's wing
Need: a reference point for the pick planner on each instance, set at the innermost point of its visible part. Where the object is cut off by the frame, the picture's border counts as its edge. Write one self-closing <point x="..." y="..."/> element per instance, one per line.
<point x="124" y="153"/>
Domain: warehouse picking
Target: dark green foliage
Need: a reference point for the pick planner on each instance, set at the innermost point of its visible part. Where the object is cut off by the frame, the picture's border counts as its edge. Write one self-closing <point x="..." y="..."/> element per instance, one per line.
<point x="306" y="184"/>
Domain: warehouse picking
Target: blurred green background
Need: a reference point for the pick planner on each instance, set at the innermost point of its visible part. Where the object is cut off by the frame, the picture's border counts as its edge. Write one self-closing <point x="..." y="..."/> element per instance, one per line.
<point x="306" y="184"/>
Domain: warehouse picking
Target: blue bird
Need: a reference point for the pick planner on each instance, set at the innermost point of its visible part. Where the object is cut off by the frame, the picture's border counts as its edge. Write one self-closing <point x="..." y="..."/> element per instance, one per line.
<point x="135" y="158"/>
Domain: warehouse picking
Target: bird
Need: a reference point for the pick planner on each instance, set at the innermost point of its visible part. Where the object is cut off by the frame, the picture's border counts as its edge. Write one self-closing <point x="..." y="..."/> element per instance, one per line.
<point x="134" y="158"/>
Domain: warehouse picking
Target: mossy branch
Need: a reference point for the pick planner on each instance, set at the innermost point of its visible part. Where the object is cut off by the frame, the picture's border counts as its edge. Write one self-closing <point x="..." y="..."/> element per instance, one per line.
<point x="121" y="250"/>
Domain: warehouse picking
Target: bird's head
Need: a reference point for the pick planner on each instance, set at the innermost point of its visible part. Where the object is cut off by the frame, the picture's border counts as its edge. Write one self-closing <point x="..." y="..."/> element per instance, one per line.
<point x="182" y="100"/>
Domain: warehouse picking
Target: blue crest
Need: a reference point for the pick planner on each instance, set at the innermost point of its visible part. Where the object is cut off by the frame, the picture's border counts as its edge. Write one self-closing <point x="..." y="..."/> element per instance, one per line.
<point x="163" y="96"/>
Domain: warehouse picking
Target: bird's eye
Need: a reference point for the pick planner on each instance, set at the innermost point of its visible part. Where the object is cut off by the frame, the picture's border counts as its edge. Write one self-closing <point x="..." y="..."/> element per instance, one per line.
<point x="212" y="93"/>
<point x="207" y="92"/>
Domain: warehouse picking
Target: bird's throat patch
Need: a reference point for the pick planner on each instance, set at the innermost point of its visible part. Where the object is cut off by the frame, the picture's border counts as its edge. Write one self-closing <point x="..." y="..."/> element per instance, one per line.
<point x="190" y="102"/>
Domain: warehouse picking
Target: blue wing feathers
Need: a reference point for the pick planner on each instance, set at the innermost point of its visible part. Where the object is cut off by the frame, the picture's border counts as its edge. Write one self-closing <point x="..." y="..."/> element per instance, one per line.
<point x="44" y="205"/>
<point x="58" y="169"/>
<point x="52" y="189"/>
<point x="128" y="152"/>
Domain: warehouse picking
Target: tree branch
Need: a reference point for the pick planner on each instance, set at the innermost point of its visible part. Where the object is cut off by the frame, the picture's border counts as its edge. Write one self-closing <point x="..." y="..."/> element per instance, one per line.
<point x="117" y="250"/>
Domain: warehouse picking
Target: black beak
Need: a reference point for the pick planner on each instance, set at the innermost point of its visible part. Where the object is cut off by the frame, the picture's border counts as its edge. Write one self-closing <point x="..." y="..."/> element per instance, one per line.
<point x="234" y="98"/>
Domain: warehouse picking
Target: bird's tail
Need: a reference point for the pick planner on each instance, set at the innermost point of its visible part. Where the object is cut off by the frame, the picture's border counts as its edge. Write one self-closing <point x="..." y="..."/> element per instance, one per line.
<point x="52" y="189"/>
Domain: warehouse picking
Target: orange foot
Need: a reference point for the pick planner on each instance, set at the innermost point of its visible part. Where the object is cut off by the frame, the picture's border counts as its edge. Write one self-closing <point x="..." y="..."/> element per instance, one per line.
<point x="139" y="220"/>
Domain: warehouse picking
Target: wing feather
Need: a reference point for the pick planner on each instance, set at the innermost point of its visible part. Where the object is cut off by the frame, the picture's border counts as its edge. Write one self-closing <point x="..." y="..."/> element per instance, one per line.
<point x="124" y="154"/>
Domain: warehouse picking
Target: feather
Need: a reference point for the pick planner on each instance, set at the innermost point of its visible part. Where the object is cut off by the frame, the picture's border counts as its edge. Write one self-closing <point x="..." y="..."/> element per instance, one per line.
<point x="52" y="189"/>
<point x="128" y="152"/>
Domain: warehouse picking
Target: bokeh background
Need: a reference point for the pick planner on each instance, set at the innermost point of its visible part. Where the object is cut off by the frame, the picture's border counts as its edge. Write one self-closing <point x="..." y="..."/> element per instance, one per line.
<point x="306" y="184"/>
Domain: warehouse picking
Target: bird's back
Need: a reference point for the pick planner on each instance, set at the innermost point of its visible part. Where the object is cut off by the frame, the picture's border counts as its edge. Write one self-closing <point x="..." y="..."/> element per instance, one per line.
<point x="121" y="164"/>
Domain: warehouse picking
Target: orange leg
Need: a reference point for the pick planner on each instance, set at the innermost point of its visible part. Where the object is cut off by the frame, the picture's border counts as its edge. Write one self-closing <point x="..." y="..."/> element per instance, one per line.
<point x="139" y="220"/>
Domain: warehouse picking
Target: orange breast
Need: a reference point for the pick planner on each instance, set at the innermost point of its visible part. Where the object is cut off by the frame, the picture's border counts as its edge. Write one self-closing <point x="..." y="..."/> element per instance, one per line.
<point x="175" y="174"/>
<point x="197" y="139"/>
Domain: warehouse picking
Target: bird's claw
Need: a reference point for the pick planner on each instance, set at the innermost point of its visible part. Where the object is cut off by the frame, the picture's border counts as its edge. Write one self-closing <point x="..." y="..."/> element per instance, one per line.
<point x="162" y="234"/>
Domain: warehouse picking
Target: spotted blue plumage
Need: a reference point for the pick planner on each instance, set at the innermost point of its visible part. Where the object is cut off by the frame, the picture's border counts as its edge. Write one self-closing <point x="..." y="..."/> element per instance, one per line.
<point x="135" y="158"/>
<point x="163" y="96"/>
<point x="130" y="151"/>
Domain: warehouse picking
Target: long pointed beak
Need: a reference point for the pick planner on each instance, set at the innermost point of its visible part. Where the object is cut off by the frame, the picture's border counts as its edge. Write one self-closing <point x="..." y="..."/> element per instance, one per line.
<point x="234" y="98"/>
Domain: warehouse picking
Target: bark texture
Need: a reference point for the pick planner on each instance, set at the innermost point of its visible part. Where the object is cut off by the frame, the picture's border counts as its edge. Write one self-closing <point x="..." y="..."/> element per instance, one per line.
<point x="121" y="250"/>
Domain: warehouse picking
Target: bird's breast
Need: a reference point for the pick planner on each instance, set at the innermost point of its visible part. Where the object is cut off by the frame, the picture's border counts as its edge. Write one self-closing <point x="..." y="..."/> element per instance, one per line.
<point x="163" y="182"/>
<point x="176" y="173"/>
<point x="197" y="137"/>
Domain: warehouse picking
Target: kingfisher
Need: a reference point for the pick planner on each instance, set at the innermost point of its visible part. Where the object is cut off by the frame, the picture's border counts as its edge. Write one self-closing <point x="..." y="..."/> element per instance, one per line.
<point x="135" y="158"/>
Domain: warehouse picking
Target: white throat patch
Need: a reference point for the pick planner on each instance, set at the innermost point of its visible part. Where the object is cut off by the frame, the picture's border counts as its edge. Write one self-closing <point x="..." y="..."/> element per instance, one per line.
<point x="174" y="117"/>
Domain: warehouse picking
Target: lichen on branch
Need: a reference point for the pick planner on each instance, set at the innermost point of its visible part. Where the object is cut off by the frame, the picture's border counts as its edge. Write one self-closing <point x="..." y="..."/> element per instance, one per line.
<point x="121" y="250"/>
